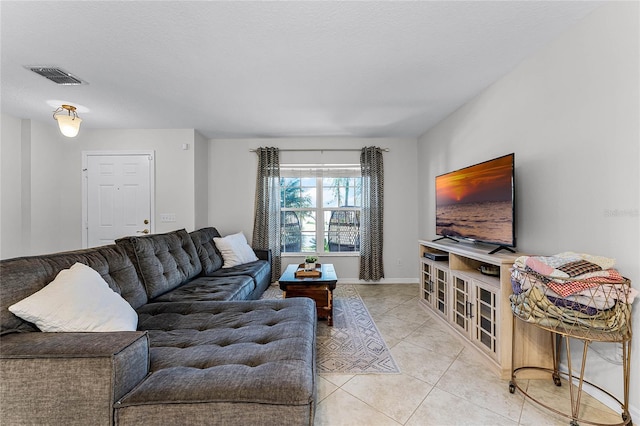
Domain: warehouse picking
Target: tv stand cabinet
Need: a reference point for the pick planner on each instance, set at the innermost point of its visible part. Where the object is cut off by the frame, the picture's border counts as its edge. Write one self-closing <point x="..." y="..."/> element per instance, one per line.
<point x="476" y="306"/>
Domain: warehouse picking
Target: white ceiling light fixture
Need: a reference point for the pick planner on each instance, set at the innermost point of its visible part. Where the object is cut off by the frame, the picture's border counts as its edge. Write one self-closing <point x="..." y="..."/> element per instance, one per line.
<point x="69" y="123"/>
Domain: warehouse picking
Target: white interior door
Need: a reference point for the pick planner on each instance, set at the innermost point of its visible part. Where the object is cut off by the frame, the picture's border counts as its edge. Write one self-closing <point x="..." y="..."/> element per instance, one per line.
<point x="118" y="196"/>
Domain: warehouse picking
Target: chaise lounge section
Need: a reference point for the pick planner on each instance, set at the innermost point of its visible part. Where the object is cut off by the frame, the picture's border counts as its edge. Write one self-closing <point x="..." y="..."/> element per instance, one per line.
<point x="203" y="352"/>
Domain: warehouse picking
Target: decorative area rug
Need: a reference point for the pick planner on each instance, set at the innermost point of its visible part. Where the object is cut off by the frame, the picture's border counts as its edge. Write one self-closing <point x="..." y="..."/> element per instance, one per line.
<point x="353" y="345"/>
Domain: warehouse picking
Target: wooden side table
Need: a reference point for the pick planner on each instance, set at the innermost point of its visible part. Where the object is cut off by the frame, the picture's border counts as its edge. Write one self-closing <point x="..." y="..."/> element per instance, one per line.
<point x="319" y="289"/>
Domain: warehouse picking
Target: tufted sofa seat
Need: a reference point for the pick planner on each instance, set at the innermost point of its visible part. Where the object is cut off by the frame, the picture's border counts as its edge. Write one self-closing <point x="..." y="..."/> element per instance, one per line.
<point x="203" y="353"/>
<point x="211" y="289"/>
<point x="234" y="359"/>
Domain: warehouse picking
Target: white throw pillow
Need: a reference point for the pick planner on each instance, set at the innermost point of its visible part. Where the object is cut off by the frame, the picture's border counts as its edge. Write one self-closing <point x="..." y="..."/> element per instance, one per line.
<point x="235" y="250"/>
<point x="78" y="300"/>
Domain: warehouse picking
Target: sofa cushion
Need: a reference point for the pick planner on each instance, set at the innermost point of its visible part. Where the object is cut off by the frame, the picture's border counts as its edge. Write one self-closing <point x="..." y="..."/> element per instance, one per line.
<point x="211" y="288"/>
<point x="23" y="276"/>
<point x="210" y="258"/>
<point x="243" y="352"/>
<point x="163" y="261"/>
<point x="259" y="271"/>
<point x="78" y="299"/>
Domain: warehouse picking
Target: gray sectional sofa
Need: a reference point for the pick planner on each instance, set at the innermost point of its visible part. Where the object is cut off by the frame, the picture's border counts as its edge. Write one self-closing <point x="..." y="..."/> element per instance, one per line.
<point x="204" y="352"/>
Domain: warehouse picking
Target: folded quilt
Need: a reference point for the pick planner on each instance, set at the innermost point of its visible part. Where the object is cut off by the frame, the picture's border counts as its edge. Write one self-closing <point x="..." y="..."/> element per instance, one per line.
<point x="570" y="291"/>
<point x="567" y="265"/>
<point x="574" y="306"/>
<point x="571" y="287"/>
<point x="569" y="273"/>
<point x="595" y="293"/>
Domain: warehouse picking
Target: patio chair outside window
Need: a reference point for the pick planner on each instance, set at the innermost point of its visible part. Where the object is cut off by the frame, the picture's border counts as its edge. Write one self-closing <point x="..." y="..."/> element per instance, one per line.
<point x="291" y="236"/>
<point x="344" y="231"/>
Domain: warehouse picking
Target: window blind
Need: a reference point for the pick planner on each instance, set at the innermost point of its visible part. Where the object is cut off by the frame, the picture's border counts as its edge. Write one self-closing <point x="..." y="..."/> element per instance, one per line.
<point x="307" y="170"/>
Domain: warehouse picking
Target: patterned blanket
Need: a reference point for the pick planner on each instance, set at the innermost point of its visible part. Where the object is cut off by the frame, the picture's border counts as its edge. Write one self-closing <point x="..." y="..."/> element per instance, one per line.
<point x="571" y="290"/>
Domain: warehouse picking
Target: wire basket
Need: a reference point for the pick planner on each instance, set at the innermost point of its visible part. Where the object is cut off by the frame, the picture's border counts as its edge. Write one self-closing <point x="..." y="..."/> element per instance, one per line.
<point x="596" y="308"/>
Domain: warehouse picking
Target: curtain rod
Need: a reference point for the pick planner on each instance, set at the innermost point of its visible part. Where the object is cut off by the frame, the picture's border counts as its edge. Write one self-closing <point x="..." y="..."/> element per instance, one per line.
<point x="327" y="149"/>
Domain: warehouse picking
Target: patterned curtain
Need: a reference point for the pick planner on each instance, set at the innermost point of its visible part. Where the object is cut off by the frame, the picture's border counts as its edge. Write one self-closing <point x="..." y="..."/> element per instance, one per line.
<point x="371" y="222"/>
<point x="266" y="225"/>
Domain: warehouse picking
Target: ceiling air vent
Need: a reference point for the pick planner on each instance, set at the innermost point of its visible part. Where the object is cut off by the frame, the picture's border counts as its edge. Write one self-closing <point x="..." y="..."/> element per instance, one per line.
<point x="58" y="75"/>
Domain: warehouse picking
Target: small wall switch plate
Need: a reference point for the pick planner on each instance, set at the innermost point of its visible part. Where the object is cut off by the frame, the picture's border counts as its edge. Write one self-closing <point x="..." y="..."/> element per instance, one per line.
<point x="167" y="217"/>
<point x="185" y="146"/>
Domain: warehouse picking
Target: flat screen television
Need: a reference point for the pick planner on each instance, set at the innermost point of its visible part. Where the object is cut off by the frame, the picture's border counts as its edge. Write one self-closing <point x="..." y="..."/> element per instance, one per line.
<point x="478" y="203"/>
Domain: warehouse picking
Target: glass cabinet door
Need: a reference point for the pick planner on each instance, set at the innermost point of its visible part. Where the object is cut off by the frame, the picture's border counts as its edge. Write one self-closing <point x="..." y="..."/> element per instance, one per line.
<point x="461" y="306"/>
<point x="486" y="318"/>
<point x="442" y="289"/>
<point x="427" y="283"/>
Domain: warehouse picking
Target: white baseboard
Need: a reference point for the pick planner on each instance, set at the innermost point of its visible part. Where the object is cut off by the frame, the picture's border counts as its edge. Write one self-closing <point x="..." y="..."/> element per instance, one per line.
<point x="382" y="281"/>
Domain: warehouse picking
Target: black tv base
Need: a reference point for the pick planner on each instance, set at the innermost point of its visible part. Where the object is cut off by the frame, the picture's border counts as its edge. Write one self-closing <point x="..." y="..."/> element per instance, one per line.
<point x="497" y="249"/>
<point x="446" y="237"/>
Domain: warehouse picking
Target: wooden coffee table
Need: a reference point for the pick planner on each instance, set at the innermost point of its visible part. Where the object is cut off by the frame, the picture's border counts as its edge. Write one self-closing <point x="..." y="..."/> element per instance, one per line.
<point x="320" y="289"/>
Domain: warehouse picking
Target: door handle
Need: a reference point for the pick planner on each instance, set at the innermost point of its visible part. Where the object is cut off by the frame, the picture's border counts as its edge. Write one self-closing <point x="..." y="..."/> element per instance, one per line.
<point x="144" y="231"/>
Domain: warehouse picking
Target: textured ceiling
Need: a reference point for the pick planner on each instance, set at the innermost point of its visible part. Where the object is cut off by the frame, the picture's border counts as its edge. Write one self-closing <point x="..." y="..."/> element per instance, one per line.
<point x="269" y="69"/>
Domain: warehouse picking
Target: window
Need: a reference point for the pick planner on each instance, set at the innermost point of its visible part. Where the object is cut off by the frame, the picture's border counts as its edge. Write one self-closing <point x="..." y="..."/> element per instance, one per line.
<point x="320" y="208"/>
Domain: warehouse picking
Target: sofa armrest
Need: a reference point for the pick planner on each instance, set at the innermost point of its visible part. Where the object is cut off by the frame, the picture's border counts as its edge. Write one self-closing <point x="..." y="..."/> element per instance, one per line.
<point x="69" y="378"/>
<point x="263" y="254"/>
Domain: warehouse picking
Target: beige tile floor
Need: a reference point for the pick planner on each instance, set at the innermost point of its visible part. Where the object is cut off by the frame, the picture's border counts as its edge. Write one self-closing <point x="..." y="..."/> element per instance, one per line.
<point x="442" y="382"/>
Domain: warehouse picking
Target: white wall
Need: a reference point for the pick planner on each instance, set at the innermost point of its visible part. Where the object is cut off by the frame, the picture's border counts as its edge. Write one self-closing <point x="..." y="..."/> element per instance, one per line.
<point x="55" y="191"/>
<point x="11" y="244"/>
<point x="37" y="206"/>
<point x="232" y="171"/>
<point x="44" y="177"/>
<point x="201" y="181"/>
<point x="571" y="115"/>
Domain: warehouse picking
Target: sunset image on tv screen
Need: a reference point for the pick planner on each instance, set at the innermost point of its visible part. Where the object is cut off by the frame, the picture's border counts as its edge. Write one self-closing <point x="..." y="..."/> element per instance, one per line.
<point x="477" y="202"/>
